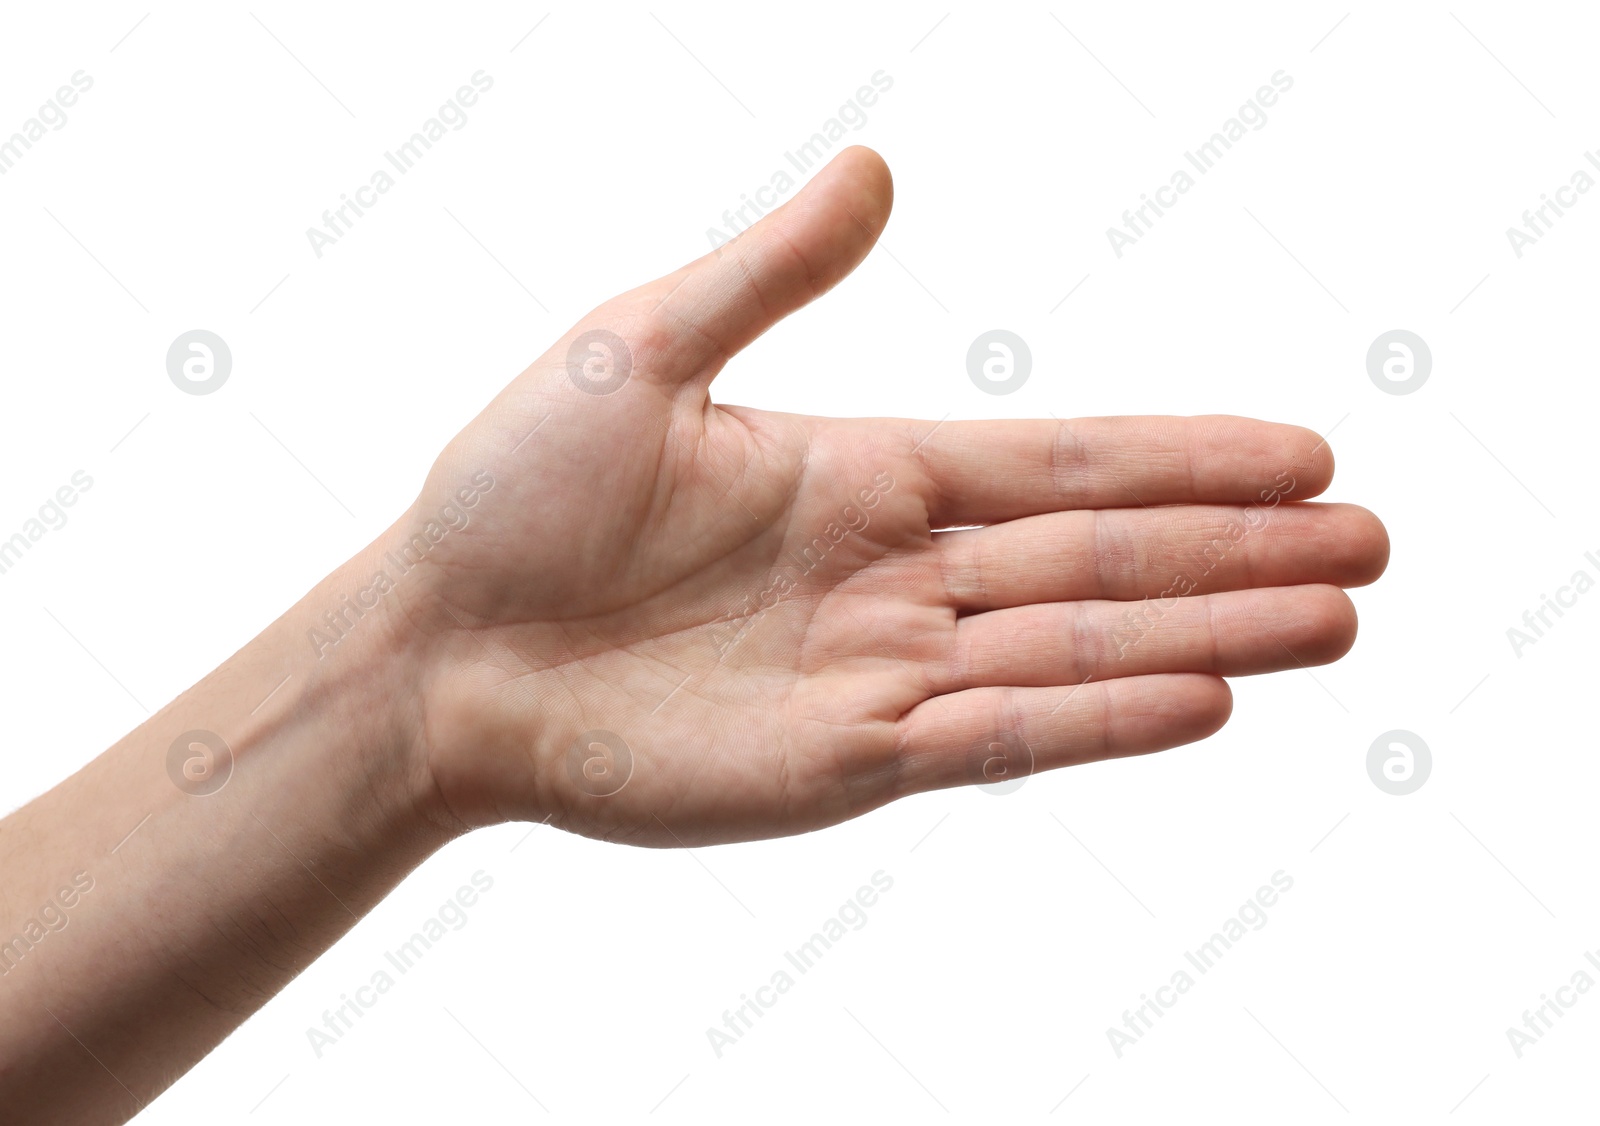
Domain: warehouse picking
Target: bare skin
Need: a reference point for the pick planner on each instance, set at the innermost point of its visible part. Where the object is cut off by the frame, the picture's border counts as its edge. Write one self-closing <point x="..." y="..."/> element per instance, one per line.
<point x="649" y="618"/>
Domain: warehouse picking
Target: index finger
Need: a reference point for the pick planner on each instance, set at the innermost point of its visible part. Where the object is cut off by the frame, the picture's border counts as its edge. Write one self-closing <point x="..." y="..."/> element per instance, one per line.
<point x="983" y="472"/>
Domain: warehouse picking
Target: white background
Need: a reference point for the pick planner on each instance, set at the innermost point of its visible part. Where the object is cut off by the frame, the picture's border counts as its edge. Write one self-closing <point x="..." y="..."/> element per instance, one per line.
<point x="1019" y="927"/>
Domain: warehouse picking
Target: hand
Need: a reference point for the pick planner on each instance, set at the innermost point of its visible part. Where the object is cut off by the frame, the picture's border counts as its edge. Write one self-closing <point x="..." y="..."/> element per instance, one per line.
<point x="648" y="618"/>
<point x="762" y="615"/>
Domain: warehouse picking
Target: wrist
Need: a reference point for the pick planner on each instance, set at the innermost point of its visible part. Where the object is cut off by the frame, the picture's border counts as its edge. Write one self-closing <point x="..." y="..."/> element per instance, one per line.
<point x="366" y="660"/>
<point x="464" y="726"/>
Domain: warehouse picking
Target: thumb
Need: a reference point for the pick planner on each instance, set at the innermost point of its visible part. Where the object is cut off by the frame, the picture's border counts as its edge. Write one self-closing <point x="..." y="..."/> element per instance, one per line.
<point x="694" y="320"/>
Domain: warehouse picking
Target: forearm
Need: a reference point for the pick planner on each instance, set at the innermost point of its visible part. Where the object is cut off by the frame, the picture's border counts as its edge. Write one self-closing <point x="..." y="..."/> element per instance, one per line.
<point x="194" y="904"/>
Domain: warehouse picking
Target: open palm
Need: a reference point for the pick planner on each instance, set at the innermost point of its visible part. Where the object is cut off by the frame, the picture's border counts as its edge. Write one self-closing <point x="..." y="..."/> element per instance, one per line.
<point x="671" y="622"/>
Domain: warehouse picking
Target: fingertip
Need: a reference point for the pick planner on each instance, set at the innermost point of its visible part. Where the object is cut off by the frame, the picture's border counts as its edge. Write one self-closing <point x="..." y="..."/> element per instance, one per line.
<point x="695" y="319"/>
<point x="1332" y="626"/>
<point x="870" y="184"/>
<point x="1190" y="706"/>
<point x="1372" y="546"/>
<point x="853" y="194"/>
<point x="1313" y="464"/>
<point x="1210" y="705"/>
